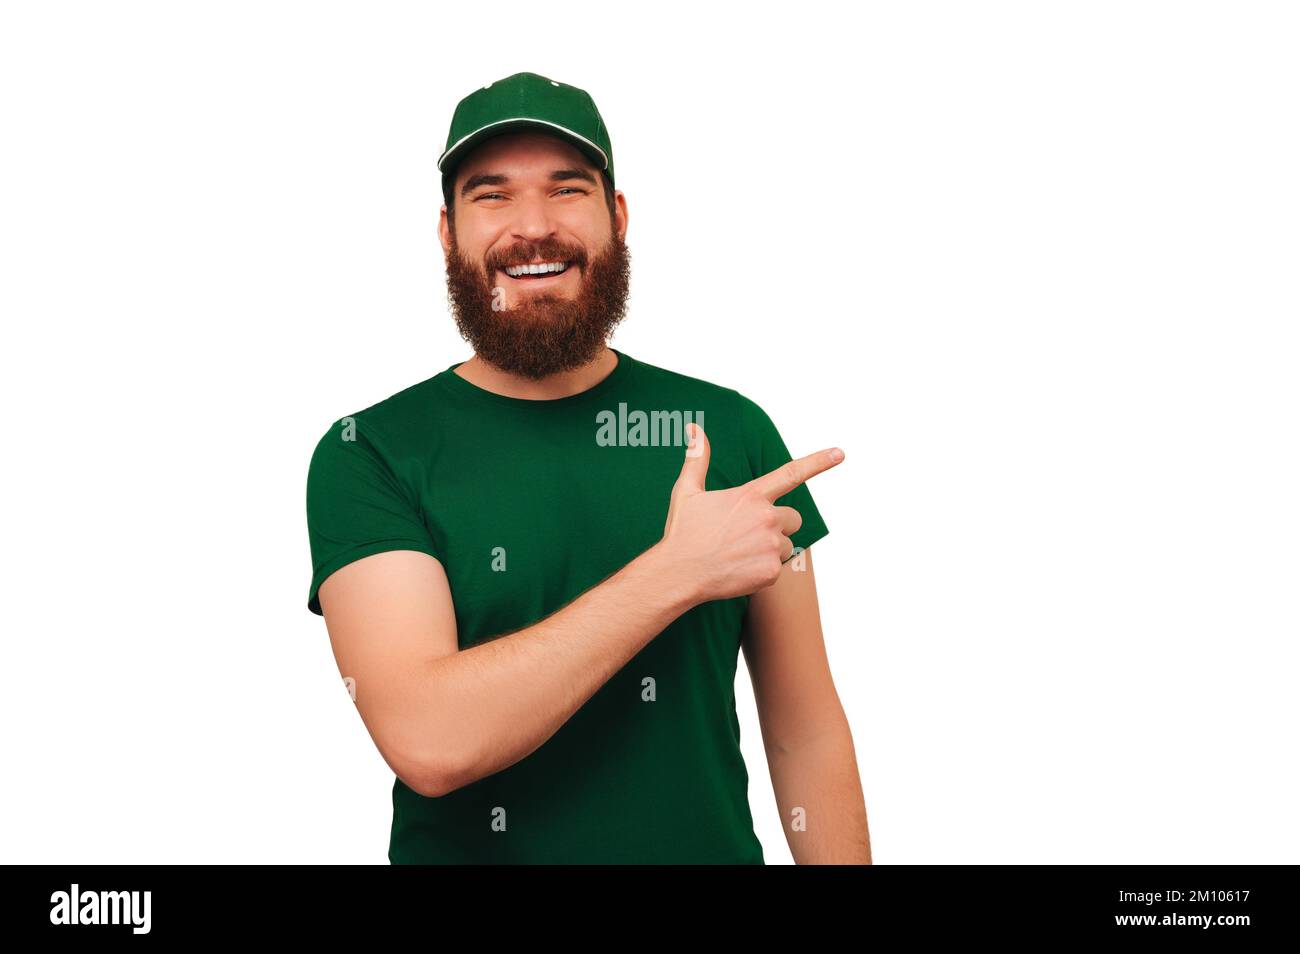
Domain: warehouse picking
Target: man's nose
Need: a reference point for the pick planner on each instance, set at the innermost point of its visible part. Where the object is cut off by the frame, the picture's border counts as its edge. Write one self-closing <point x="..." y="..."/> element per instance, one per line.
<point x="533" y="219"/>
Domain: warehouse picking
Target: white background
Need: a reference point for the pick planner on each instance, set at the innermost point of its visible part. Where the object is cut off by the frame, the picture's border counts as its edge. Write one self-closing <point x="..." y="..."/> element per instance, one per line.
<point x="1032" y="265"/>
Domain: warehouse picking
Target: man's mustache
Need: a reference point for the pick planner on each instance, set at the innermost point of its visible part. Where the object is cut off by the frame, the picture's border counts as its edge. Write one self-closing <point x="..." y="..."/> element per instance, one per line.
<point x="572" y="256"/>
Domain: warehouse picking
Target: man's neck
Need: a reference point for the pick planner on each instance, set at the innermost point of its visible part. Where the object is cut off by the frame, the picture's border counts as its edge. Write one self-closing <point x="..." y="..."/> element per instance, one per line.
<point x="561" y="384"/>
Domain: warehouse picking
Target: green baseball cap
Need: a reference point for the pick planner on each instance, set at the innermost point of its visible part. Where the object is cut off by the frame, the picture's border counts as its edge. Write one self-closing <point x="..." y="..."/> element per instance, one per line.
<point x="527" y="101"/>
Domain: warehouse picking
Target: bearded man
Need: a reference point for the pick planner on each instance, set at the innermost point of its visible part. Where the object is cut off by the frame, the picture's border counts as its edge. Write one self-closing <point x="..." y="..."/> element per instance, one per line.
<point x="540" y="628"/>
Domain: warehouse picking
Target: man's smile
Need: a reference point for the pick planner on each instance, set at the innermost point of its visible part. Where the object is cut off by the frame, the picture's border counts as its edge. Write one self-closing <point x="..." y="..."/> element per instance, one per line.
<point x="538" y="273"/>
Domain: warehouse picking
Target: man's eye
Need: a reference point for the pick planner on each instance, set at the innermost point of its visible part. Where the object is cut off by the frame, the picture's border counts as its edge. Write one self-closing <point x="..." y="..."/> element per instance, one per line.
<point x="500" y="195"/>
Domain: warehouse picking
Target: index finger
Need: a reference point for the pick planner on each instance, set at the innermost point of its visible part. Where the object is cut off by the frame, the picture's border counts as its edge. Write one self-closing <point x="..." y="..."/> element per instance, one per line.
<point x="791" y="474"/>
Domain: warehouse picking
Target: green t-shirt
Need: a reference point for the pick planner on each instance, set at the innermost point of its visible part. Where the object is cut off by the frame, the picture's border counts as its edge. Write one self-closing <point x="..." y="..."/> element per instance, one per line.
<point x="527" y="504"/>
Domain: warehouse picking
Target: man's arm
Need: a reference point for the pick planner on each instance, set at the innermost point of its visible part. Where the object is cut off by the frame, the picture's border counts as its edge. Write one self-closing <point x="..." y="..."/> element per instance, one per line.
<point x="809" y="747"/>
<point x="442" y="717"/>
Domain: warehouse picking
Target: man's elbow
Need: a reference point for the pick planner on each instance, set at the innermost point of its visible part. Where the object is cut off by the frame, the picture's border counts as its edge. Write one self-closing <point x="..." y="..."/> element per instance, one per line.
<point x="432" y="775"/>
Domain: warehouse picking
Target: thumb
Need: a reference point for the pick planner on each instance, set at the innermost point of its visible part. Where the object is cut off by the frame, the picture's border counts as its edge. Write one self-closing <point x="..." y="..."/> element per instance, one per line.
<point x="695" y="464"/>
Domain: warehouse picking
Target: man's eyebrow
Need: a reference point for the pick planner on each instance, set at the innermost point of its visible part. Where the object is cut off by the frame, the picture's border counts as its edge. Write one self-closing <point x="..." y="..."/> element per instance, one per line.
<point x="496" y="178"/>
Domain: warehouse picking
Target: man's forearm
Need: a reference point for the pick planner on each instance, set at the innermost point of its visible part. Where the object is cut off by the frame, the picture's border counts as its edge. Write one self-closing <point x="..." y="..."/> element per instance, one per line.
<point x="506" y="696"/>
<point x="819" y="796"/>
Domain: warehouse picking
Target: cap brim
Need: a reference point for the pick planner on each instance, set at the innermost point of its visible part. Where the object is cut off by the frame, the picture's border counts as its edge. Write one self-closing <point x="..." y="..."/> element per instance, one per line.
<point x="458" y="150"/>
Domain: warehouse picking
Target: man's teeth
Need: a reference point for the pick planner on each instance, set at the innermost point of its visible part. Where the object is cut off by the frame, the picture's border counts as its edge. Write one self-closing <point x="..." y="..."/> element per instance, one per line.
<point x="515" y="271"/>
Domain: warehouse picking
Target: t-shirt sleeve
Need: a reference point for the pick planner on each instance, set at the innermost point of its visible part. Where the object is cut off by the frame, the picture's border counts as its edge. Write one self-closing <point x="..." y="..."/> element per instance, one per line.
<point x="356" y="506"/>
<point x="767" y="451"/>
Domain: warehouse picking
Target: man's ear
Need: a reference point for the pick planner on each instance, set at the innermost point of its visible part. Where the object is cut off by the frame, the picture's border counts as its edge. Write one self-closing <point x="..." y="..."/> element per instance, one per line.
<point x="444" y="230"/>
<point x="621" y="214"/>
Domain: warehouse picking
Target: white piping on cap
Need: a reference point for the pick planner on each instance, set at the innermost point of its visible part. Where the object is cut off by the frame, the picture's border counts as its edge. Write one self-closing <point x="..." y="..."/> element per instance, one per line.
<point x="531" y="120"/>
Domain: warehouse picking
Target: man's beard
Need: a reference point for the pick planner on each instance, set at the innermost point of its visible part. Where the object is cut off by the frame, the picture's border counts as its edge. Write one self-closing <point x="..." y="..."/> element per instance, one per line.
<point x="540" y="333"/>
